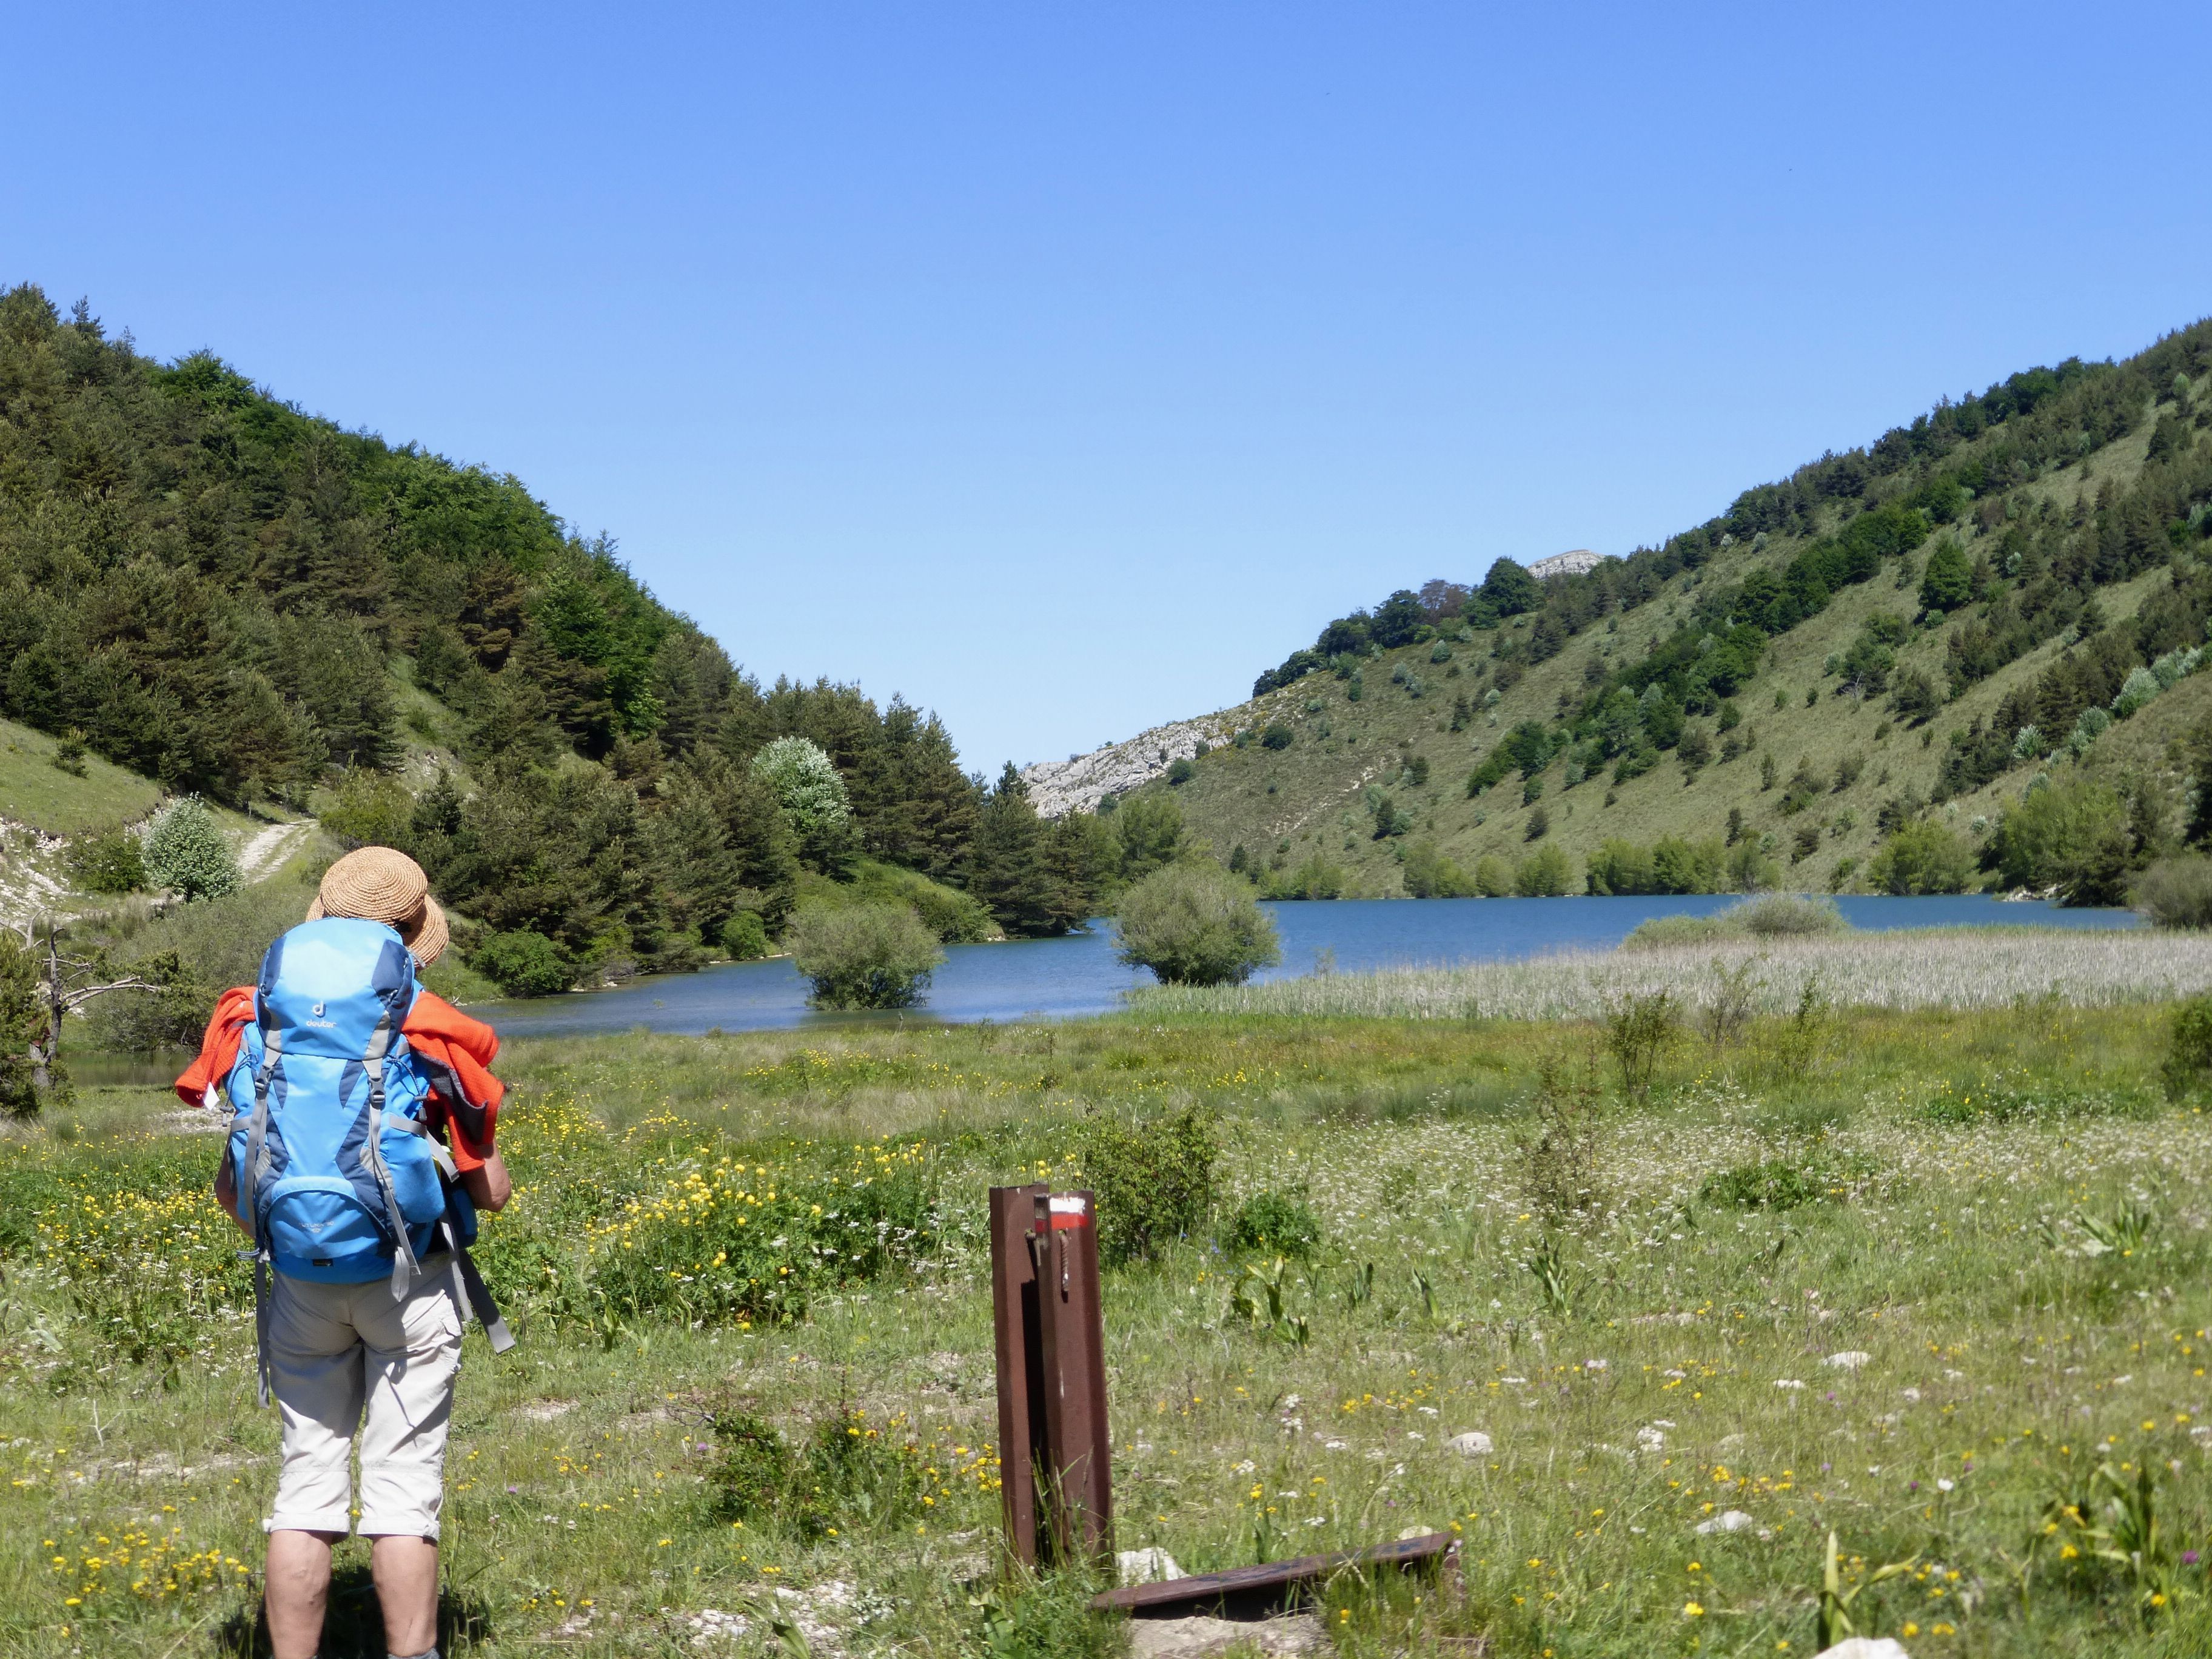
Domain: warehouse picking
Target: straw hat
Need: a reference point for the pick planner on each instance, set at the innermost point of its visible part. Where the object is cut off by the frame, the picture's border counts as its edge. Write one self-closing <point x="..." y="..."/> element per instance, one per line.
<point x="381" y="883"/>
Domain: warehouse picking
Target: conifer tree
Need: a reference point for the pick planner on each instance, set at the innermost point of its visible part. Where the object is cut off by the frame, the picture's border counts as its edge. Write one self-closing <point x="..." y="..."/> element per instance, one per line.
<point x="1007" y="871"/>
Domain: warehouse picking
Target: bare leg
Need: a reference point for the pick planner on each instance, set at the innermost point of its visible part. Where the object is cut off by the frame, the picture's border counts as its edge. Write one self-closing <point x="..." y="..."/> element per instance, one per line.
<point x="406" y="1574"/>
<point x="298" y="1587"/>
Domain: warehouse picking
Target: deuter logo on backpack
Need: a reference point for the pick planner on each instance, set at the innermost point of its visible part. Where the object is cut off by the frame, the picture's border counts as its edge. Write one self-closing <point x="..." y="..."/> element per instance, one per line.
<point x="337" y="1173"/>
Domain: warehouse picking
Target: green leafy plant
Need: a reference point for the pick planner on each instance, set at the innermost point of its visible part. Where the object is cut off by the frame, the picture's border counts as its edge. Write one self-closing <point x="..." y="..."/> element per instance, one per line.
<point x="1556" y="1281"/>
<point x="2124" y="1232"/>
<point x="1153" y="1182"/>
<point x="1833" y="1620"/>
<point x="1281" y="1223"/>
<point x="1781" y="1183"/>
<point x="2108" y="1537"/>
<point x="1256" y="1299"/>
<point x="111" y="862"/>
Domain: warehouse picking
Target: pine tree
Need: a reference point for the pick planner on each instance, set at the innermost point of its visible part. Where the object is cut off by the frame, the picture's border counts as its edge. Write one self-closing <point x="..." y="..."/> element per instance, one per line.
<point x="1007" y="870"/>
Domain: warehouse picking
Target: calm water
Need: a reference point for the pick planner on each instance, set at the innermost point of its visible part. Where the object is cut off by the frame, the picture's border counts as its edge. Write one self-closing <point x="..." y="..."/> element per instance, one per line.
<point x="1078" y="974"/>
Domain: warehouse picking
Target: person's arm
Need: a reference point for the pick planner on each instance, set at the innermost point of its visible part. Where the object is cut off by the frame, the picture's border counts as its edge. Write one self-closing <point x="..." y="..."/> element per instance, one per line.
<point x="487" y="1184"/>
<point x="226" y="1194"/>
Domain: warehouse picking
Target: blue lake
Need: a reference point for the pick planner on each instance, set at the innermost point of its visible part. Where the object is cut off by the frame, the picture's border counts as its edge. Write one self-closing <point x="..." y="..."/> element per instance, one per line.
<point x="1060" y="978"/>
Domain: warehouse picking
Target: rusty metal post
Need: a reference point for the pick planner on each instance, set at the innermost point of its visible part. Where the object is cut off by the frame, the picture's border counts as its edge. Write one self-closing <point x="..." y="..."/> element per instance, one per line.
<point x="1020" y="1365"/>
<point x="1079" y="1450"/>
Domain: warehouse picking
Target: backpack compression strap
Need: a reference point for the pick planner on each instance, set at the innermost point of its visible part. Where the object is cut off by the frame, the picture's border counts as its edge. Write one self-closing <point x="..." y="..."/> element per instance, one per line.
<point x="404" y="1269"/>
<point x="468" y="1283"/>
<point x="258" y="1161"/>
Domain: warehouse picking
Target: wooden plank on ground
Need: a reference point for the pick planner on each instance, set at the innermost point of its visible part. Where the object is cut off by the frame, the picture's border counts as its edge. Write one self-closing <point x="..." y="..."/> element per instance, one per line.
<point x="1239" y="1583"/>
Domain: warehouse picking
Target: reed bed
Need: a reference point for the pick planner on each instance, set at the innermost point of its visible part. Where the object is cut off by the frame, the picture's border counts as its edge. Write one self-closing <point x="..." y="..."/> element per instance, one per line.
<point x="1967" y="967"/>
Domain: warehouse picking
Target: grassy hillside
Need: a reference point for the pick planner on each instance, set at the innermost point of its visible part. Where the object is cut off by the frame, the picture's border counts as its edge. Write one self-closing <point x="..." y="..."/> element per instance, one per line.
<point x="36" y="792"/>
<point x="2119" y="520"/>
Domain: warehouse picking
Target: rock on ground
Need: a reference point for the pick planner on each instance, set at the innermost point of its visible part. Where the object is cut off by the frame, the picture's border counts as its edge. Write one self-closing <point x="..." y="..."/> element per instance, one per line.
<point x="1193" y="1638"/>
<point x="1146" y="1566"/>
<point x="1725" y="1521"/>
<point x="1474" y="1444"/>
<point x="1864" y="1647"/>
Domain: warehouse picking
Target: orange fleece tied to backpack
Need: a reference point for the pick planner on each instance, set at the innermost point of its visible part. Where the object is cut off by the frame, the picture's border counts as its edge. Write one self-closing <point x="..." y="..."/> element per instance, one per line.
<point x="456" y="1053"/>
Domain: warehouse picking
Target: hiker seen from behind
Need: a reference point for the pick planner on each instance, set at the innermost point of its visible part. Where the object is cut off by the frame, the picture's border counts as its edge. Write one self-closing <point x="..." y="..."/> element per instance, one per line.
<point x="360" y="1148"/>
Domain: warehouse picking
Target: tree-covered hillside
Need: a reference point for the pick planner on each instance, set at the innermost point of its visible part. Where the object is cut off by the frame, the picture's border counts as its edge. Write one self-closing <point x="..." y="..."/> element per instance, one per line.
<point x="1846" y="681"/>
<point x="207" y="586"/>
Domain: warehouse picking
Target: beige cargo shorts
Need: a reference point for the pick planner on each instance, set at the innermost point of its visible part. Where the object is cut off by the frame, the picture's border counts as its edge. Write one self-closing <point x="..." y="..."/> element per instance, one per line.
<point x="348" y="1357"/>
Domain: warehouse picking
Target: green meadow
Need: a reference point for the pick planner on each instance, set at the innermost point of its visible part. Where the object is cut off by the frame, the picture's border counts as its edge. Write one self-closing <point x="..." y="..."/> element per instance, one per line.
<point x="1641" y="1301"/>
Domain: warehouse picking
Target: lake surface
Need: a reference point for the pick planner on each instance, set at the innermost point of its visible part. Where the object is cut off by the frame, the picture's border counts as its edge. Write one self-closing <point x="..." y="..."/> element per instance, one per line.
<point x="1060" y="978"/>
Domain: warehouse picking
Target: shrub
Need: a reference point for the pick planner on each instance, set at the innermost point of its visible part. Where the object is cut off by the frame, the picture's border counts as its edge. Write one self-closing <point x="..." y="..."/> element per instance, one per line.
<point x="956" y="918"/>
<point x="1915" y="697"/>
<point x="1316" y="878"/>
<point x="1152" y="1182"/>
<point x="69" y="753"/>
<point x="22" y="1022"/>
<point x="1545" y="874"/>
<point x="1923" y="857"/>
<point x="1180" y="772"/>
<point x="373" y="809"/>
<point x="185" y="852"/>
<point x="524" y="964"/>
<point x="2188" y="1046"/>
<point x="1638" y="1028"/>
<point x="1273" y="1224"/>
<point x="1780" y="915"/>
<point x="2071" y="835"/>
<point x="2141" y="687"/>
<point x="111" y="862"/>
<point x="752" y="1468"/>
<point x="745" y="936"/>
<point x="1665" y="932"/>
<point x="1777" y="1184"/>
<point x="863" y="956"/>
<point x="1429" y="874"/>
<point x="1558" y="1163"/>
<point x="1277" y="736"/>
<point x="1750" y="870"/>
<point x="851" y="1474"/>
<point x="2176" y="892"/>
<point x="1194" y="923"/>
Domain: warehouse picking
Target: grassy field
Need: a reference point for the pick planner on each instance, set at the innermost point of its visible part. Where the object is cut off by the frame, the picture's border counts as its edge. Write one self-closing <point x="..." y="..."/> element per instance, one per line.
<point x="1916" y="1275"/>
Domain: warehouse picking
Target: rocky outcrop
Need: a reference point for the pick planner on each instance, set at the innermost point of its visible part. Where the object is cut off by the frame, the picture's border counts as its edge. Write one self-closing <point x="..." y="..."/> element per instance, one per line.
<point x="1571" y="563"/>
<point x="1079" y="785"/>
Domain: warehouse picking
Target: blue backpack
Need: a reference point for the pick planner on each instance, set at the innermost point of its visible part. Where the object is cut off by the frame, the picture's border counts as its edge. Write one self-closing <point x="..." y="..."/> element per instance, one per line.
<point x="337" y="1174"/>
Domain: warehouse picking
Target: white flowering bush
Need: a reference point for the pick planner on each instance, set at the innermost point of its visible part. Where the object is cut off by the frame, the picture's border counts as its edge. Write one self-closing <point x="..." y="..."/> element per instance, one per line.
<point x="185" y="852"/>
<point x="805" y="784"/>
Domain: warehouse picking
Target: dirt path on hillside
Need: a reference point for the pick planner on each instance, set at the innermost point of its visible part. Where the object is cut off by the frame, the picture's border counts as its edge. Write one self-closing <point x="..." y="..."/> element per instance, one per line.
<point x="263" y="855"/>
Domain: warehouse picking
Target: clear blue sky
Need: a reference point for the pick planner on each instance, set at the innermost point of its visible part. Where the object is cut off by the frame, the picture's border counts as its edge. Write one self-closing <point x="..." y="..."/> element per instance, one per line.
<point x="1061" y="366"/>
